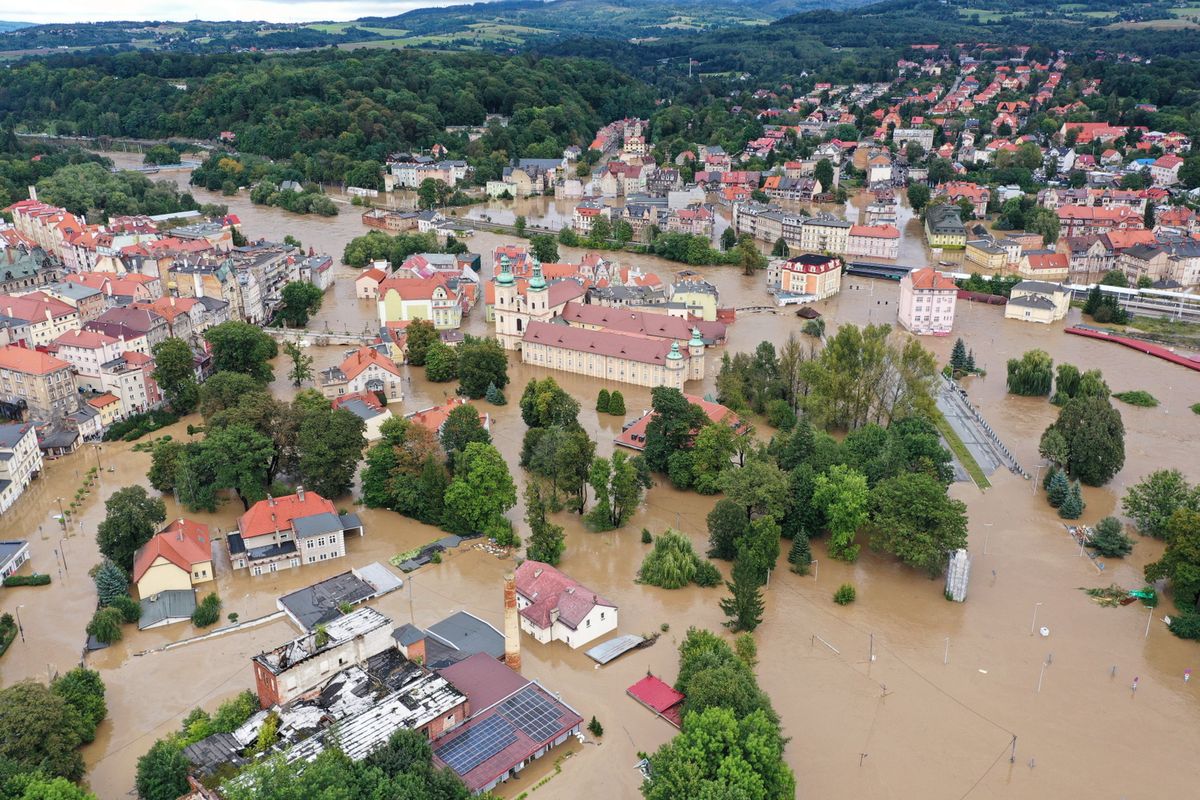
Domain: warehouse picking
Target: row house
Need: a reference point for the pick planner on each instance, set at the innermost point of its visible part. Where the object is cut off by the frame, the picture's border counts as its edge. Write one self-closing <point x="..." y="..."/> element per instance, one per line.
<point x="586" y="213"/>
<point x="89" y="302"/>
<point x="46" y="317"/>
<point x="140" y="328"/>
<point x="781" y="187"/>
<point x="44" y="224"/>
<point x="1084" y="220"/>
<point x="130" y="377"/>
<point x="186" y="317"/>
<point x="694" y="220"/>
<point x="37" y="382"/>
<point x="824" y="233"/>
<point x="122" y="290"/>
<point x="642" y="216"/>
<point x="317" y="270"/>
<point x="874" y="241"/>
<point x="86" y="351"/>
<point x="662" y="181"/>
<point x="1172" y="265"/>
<point x="20" y="462"/>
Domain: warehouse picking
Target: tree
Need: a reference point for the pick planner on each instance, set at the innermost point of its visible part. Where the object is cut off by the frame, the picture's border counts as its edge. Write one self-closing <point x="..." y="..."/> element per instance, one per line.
<point x="239" y="458"/>
<point x="1072" y="506"/>
<point x="519" y="224"/>
<point x="242" y="347"/>
<point x="728" y="238"/>
<point x="712" y="454"/>
<point x="131" y="518"/>
<point x="958" y="355"/>
<point x="760" y="487"/>
<point x="301" y="370"/>
<point x="494" y="396"/>
<point x="544" y="404"/>
<point x="481" y="363"/>
<point x="161" y="154"/>
<point x="432" y="192"/>
<point x="546" y="540"/>
<point x="84" y="690"/>
<point x="671" y="427"/>
<point x="823" y="174"/>
<point x="544" y="248"/>
<point x="420" y="335"/>
<point x="1153" y="501"/>
<point x="1109" y="539"/>
<point x="595" y="728"/>
<point x="162" y="772"/>
<point x="914" y="520"/>
<point x="842" y="495"/>
<point x="622" y="231"/>
<point x="1044" y="221"/>
<point x="225" y="390"/>
<point x="462" y="427"/>
<point x="175" y="374"/>
<point x="42" y="731"/>
<point x="601" y="231"/>
<point x="602" y="401"/>
<point x="918" y="196"/>
<point x="1148" y="217"/>
<point x="105" y="625"/>
<point x="131" y="610"/>
<point x="481" y="492"/>
<point x="208" y="611"/>
<point x="1031" y="375"/>
<point x="748" y="255"/>
<point x="441" y="363"/>
<point x="673" y="564"/>
<point x="1095" y="437"/>
<point x="1180" y="562"/>
<point x="330" y="444"/>
<point x="616" y="403"/>
<point x="38" y="788"/>
<point x="759" y="548"/>
<point x="800" y="554"/>
<point x="1058" y="490"/>
<point x="744" y="606"/>
<point x="780" y="248"/>
<point x="618" y="486"/>
<point x="111" y="582"/>
<point x="300" y="299"/>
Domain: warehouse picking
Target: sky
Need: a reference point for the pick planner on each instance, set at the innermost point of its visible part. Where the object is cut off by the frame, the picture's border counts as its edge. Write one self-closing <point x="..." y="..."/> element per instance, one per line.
<point x="180" y="10"/>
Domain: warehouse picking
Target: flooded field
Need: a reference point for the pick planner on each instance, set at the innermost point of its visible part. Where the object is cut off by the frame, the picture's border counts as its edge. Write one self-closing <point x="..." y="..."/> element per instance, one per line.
<point x="934" y="715"/>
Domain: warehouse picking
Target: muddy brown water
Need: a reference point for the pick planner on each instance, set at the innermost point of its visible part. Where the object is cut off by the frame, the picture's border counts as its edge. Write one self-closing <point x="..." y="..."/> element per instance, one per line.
<point x="904" y="725"/>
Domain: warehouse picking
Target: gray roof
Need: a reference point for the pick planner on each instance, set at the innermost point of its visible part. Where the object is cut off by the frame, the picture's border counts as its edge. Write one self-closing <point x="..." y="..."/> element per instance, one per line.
<point x="9" y="549"/>
<point x="170" y="606"/>
<point x="213" y="751"/>
<point x="13" y="432"/>
<point x="469" y="634"/>
<point x="408" y="634"/>
<point x="1032" y="301"/>
<point x="945" y="219"/>
<point x="76" y="291"/>
<point x="319" y="603"/>
<point x="360" y="409"/>
<point x="1039" y="286"/>
<point x="316" y="525"/>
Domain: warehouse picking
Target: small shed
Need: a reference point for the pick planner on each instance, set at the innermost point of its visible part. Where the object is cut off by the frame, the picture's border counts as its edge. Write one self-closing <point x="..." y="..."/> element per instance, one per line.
<point x="660" y="698"/>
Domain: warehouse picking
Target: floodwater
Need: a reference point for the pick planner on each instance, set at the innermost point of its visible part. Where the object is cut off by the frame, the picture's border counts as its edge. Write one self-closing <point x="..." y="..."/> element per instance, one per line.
<point x="933" y="715"/>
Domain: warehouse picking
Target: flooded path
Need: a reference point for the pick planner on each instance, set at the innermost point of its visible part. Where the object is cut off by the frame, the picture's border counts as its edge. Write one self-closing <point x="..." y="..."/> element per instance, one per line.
<point x="938" y="730"/>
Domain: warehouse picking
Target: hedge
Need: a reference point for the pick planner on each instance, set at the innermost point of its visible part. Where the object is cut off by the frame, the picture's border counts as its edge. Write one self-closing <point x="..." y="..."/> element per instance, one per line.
<point x="36" y="579"/>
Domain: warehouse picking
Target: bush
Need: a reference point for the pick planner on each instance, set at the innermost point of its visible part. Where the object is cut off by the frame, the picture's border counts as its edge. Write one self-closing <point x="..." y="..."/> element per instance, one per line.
<point x="139" y="425"/>
<point x="707" y="575"/>
<point x="208" y="612"/>
<point x="595" y="728"/>
<point x="1137" y="398"/>
<point x="646" y="537"/>
<point x="616" y="404"/>
<point x="1110" y="539"/>
<point x="845" y="594"/>
<point x="673" y="564"/>
<point x="131" y="610"/>
<point x="106" y="625"/>
<point x="36" y="579"/>
<point x="1196" y="408"/>
<point x="1186" y="625"/>
<point x="602" y="401"/>
<point x="780" y="415"/>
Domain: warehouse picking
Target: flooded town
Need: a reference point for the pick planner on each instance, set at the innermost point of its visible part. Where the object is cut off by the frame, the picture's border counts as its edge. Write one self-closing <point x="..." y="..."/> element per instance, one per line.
<point x="971" y="408"/>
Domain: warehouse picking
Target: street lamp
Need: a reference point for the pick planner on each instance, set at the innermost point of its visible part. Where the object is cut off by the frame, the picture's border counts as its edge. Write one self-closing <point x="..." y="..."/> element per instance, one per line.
<point x="62" y="515"/>
<point x="96" y="447"/>
<point x="1033" y="625"/>
<point x="62" y="548"/>
<point x="20" y="628"/>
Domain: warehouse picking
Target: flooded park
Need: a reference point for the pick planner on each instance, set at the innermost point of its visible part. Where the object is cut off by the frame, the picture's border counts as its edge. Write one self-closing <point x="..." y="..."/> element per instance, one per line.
<point x="960" y="700"/>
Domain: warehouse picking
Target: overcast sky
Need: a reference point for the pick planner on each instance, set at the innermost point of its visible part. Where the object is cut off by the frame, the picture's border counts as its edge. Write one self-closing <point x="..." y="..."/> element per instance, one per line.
<point x="270" y="10"/>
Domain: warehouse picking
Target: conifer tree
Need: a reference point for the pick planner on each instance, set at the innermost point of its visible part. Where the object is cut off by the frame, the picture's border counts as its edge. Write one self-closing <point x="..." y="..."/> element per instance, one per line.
<point x="602" y="401"/>
<point x="494" y="396"/>
<point x="1072" y="505"/>
<point x="958" y="356"/>
<point x="111" y="582"/>
<point x="745" y="607"/>
<point x="1058" y="490"/>
<point x="616" y="404"/>
<point x="800" y="555"/>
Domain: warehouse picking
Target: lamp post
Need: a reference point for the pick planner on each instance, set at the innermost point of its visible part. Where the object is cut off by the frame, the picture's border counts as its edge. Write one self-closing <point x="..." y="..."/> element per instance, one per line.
<point x="1033" y="625"/>
<point x="20" y="628"/>
<point x="62" y="515"/>
<point x="99" y="466"/>
<point x="62" y="548"/>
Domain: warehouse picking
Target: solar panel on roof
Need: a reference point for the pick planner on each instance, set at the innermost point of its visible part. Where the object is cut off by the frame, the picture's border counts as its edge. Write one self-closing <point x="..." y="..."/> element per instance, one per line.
<point x="477" y="744"/>
<point x="535" y="714"/>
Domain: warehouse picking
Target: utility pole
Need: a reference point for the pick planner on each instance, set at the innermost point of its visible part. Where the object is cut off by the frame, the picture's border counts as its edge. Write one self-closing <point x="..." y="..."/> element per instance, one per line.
<point x="411" y="620"/>
<point x="1013" y="756"/>
<point x="946" y="656"/>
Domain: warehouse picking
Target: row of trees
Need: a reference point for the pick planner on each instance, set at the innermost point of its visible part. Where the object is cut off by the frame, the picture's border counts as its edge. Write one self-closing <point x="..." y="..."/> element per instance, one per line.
<point x="43" y="729"/>
<point x="379" y="246"/>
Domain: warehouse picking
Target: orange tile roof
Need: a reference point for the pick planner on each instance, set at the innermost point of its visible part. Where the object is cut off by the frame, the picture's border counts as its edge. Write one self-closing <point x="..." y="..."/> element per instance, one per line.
<point x="875" y="231"/>
<point x="183" y="543"/>
<point x="415" y="288"/>
<point x="277" y="513"/>
<point x="1048" y="261"/>
<point x="102" y="400"/>
<point x="30" y="362"/>
<point x="364" y="357"/>
<point x="930" y="279"/>
<point x="434" y="417"/>
<point x="84" y="339"/>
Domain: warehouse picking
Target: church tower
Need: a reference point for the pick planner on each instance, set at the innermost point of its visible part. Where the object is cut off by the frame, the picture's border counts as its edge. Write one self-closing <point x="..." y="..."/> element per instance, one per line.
<point x="676" y="368"/>
<point x="696" y="356"/>
<point x="508" y="316"/>
<point x="538" y="296"/>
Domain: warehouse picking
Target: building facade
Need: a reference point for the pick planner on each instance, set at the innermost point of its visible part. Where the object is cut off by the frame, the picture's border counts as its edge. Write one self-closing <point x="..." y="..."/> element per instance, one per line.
<point x="927" y="302"/>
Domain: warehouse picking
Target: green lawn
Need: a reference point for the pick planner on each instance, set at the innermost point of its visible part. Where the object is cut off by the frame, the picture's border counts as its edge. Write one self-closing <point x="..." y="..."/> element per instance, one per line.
<point x="960" y="451"/>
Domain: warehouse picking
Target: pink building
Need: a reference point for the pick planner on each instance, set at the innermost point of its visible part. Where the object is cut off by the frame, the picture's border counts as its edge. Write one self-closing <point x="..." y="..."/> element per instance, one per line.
<point x="875" y="241"/>
<point x="927" y="299"/>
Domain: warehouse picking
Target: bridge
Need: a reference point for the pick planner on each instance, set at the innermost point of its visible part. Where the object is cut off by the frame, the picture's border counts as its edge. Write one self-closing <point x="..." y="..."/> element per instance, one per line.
<point x="307" y="338"/>
<point x="499" y="227"/>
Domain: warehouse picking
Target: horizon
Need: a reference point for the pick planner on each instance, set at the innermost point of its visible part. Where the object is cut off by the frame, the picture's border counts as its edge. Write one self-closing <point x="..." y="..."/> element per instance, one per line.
<point x="278" y="11"/>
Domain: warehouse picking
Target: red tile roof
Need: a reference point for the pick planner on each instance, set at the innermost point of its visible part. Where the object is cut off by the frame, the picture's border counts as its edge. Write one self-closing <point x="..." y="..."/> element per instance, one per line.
<point x="364" y="357"/>
<point x="930" y="279"/>
<point x="875" y="231"/>
<point x="547" y="590"/>
<point x="634" y="437"/>
<point x="636" y="347"/>
<point x="435" y="416"/>
<point x="30" y="362"/>
<point x="183" y="543"/>
<point x="276" y="514"/>
<point x="415" y="288"/>
<point x="659" y="697"/>
<point x="641" y="322"/>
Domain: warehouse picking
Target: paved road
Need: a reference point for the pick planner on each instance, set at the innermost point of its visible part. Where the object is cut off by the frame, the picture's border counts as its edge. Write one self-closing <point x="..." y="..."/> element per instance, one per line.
<point x="958" y="413"/>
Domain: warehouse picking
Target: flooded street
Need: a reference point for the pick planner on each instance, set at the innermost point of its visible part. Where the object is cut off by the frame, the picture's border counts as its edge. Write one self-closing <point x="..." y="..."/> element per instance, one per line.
<point x="906" y="725"/>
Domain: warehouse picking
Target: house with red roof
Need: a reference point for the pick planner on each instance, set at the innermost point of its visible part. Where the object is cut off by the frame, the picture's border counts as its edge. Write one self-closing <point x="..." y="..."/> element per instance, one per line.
<point x="175" y="559"/>
<point x="285" y="532"/>
<point x="435" y="417"/>
<point x="404" y="297"/>
<point x="367" y="369"/>
<point x="554" y="607"/>
<point x="927" y="301"/>
<point x="366" y="285"/>
<point x="1165" y="170"/>
<point x="634" y="436"/>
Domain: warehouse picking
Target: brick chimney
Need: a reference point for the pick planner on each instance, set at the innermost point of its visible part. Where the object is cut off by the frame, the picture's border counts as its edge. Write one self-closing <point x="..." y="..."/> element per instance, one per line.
<point x="512" y="627"/>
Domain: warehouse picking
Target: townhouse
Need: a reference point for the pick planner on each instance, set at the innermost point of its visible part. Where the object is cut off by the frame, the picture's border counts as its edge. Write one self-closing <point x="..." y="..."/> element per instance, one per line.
<point x="37" y="382"/>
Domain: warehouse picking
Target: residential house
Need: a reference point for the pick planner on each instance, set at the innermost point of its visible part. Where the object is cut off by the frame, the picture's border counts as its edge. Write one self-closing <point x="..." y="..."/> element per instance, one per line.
<point x="554" y="607"/>
<point x="407" y="298"/>
<point x="86" y="351"/>
<point x="977" y="196"/>
<point x="284" y="532"/>
<point x="1038" y="301"/>
<point x="20" y="462"/>
<point x="46" y="317"/>
<point x="817" y="276"/>
<point x="107" y="406"/>
<point x="944" y="227"/>
<point x="1044" y="265"/>
<point x="986" y="253"/>
<point x="366" y="285"/>
<point x="873" y="241"/>
<point x="367" y="407"/>
<point x="366" y="369"/>
<point x="434" y="417"/>
<point x="89" y="302"/>
<point x="176" y="558"/>
<point x="700" y="297"/>
<point x="14" y="553"/>
<point x="823" y="233"/>
<point x="36" y="382"/>
<point x="1165" y="170"/>
<point x="140" y="328"/>
<point x="927" y="301"/>
<point x="130" y="376"/>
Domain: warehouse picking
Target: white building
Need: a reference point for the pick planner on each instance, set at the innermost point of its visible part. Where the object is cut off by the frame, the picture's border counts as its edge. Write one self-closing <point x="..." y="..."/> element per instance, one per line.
<point x="553" y="607"/>
<point x="20" y="461"/>
<point x="927" y="300"/>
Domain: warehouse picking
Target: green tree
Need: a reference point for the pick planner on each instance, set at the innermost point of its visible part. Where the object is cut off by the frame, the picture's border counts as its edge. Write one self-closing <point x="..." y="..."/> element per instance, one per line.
<point x="301" y="300"/>
<point x="432" y="193"/>
<point x="1148" y="221"/>
<point x="175" y="374"/>
<point x="130" y="520"/>
<point x="546" y="540"/>
<point x="482" y="362"/>
<point x="225" y="390"/>
<point x="544" y="248"/>
<point x="239" y="458"/>
<point x="1180" y="562"/>
<point x="111" y="582"/>
<point x="84" y="690"/>
<point x="1109" y="539"/>
<point x="748" y="255"/>
<point x="242" y="347"/>
<point x="780" y="249"/>
<point x="728" y="238"/>
<point x="1031" y="375"/>
<point x="441" y="363"/>
<point x="616" y="403"/>
<point x="162" y="772"/>
<point x="744" y="606"/>
<point x="914" y="520"/>
<point x="105" y="625"/>
<point x="673" y="564"/>
<point x="1072" y="506"/>
<point x="842" y="495"/>
<point x="918" y="196"/>
<point x="823" y="174"/>
<point x="160" y="154"/>
<point x="958" y="355"/>
<point x="42" y="731"/>
<point x="622" y="231"/>
<point x="1095" y="437"/>
<point x="301" y="370"/>
<point x="800" y="554"/>
<point x="1058" y="490"/>
<point x="481" y="492"/>
<point x="601" y="231"/>
<point x="38" y="788"/>
<point x="545" y="404"/>
<point x="420" y="335"/>
<point x="602" y="401"/>
<point x="670" y="428"/>
<point x="760" y="487"/>
<point x="1153" y="501"/>
<point x="329" y="444"/>
<point x="618" y="486"/>
<point x="519" y="224"/>
<point x="712" y="454"/>
<point x="462" y="427"/>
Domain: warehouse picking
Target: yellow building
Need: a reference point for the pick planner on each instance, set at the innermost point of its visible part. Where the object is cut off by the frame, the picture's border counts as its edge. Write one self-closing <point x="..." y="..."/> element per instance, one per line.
<point x="108" y="406"/>
<point x="176" y="559"/>
<point x="1038" y="301"/>
<point x="986" y="254"/>
<point x="700" y="297"/>
<point x="613" y="356"/>
<point x="944" y="227"/>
